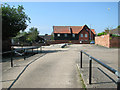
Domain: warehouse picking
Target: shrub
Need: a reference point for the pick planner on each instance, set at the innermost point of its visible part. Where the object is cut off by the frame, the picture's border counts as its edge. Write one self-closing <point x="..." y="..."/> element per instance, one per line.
<point x="103" y="33"/>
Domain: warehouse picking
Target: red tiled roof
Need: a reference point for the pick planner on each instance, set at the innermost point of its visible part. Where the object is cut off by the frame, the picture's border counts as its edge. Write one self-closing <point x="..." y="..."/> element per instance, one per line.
<point x="66" y="29"/>
<point x="93" y="31"/>
<point x="61" y="29"/>
<point x="76" y="29"/>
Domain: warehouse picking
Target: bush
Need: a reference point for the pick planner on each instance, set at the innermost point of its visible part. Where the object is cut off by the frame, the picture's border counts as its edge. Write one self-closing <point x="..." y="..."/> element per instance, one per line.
<point x="114" y="35"/>
<point x="103" y="33"/>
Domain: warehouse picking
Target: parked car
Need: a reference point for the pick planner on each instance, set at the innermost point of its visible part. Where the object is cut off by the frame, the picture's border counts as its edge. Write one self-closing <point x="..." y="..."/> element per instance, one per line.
<point x="92" y="42"/>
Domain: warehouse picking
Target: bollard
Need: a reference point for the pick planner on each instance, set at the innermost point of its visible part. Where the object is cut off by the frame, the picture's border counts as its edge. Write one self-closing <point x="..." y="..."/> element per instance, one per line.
<point x="118" y="84"/>
<point x="90" y="70"/>
<point x="24" y="55"/>
<point x="11" y="58"/>
<point x="81" y="60"/>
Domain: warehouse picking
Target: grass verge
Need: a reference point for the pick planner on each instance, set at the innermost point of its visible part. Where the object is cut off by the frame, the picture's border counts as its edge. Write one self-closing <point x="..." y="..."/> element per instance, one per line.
<point x="81" y="79"/>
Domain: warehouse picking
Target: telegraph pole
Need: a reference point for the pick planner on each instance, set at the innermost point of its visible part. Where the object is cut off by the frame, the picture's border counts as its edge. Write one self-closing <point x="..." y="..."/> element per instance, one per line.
<point x="90" y="31"/>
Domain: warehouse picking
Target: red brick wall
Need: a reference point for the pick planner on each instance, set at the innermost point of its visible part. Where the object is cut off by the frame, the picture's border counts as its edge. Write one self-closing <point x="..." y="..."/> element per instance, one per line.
<point x="115" y="42"/>
<point x="67" y="41"/>
<point x="84" y="32"/>
<point x="63" y="41"/>
<point x="103" y="40"/>
<point x="88" y="35"/>
<point x="107" y="41"/>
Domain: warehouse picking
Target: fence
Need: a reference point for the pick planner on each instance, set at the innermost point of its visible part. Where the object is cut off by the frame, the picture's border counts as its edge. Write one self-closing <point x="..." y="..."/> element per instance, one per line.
<point x="21" y="54"/>
<point x="101" y="63"/>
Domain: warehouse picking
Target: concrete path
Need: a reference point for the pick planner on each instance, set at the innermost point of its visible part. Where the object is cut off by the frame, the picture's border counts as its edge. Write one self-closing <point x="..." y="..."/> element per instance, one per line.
<point x="57" y="69"/>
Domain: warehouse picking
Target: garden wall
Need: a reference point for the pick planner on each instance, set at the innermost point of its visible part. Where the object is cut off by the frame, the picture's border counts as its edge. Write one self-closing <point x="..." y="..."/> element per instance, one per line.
<point x="107" y="41"/>
<point x="67" y="41"/>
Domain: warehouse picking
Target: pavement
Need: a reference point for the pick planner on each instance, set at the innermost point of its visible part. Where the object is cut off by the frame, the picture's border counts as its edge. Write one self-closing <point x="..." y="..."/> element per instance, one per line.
<point x="57" y="67"/>
<point x="101" y="77"/>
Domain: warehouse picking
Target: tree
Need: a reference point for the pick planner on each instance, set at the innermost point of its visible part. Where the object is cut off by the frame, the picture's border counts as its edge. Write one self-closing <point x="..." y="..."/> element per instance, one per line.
<point x="118" y="26"/>
<point x="103" y="33"/>
<point x="32" y="34"/>
<point x="13" y="20"/>
<point x="21" y="37"/>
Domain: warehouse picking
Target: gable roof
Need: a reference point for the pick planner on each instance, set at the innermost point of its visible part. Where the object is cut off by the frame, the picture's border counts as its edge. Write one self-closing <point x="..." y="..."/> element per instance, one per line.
<point x="93" y="30"/>
<point x="66" y="29"/>
<point x="76" y="29"/>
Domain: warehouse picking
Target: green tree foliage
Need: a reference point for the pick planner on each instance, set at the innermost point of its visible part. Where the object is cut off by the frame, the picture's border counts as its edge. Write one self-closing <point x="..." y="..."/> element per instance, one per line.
<point x="118" y="26"/>
<point x="13" y="20"/>
<point x="103" y="33"/>
<point x="21" y="37"/>
<point x="27" y="37"/>
<point x="32" y="34"/>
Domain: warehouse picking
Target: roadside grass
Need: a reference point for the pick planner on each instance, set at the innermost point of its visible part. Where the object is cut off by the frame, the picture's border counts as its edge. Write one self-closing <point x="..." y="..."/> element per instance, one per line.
<point x="81" y="79"/>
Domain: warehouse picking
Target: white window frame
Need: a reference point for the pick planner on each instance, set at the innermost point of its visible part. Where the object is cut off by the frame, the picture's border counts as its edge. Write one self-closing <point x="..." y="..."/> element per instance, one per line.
<point x="65" y="35"/>
<point x="73" y="35"/>
<point x="58" y="35"/>
<point x="81" y="35"/>
<point x="86" y="35"/>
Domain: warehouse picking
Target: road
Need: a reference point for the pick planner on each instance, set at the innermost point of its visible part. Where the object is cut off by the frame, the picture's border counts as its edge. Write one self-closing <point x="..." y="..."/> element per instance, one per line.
<point x="57" y="69"/>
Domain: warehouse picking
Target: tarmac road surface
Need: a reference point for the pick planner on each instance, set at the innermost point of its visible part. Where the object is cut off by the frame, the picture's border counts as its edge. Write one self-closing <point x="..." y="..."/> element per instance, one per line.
<point x="57" y="69"/>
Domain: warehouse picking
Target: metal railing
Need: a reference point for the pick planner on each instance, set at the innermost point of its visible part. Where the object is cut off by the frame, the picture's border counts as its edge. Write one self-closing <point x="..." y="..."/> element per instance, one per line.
<point x="102" y="64"/>
<point x="21" y="54"/>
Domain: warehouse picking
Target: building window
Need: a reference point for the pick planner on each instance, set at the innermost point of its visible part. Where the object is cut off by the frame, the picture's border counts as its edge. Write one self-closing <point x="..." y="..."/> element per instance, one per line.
<point x="81" y="35"/>
<point x="65" y="35"/>
<point x="58" y="35"/>
<point x="73" y="35"/>
<point x="85" y="35"/>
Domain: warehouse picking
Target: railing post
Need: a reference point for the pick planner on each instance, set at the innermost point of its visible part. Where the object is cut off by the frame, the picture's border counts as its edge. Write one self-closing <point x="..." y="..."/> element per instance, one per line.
<point x="118" y="84"/>
<point x="81" y="60"/>
<point x="24" y="55"/>
<point x="11" y="57"/>
<point x="90" y="70"/>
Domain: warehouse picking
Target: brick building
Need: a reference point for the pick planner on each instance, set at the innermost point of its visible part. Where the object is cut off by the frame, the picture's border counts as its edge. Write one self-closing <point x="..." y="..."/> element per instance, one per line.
<point x="75" y="34"/>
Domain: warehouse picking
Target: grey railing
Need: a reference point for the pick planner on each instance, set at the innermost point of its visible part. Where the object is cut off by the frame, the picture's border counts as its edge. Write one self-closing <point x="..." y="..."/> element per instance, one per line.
<point x="102" y="64"/>
<point x="21" y="54"/>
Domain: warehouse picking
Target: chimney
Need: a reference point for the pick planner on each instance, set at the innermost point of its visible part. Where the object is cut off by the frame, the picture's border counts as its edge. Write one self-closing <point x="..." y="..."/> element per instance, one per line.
<point x="70" y="30"/>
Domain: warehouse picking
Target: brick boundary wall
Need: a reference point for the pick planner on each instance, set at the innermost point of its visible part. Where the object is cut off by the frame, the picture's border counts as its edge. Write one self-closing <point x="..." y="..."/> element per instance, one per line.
<point x="67" y="41"/>
<point x="115" y="42"/>
<point x="107" y="41"/>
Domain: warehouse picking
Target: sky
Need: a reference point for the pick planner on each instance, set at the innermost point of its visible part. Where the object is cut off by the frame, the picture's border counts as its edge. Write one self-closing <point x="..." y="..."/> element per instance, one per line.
<point x="45" y="15"/>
